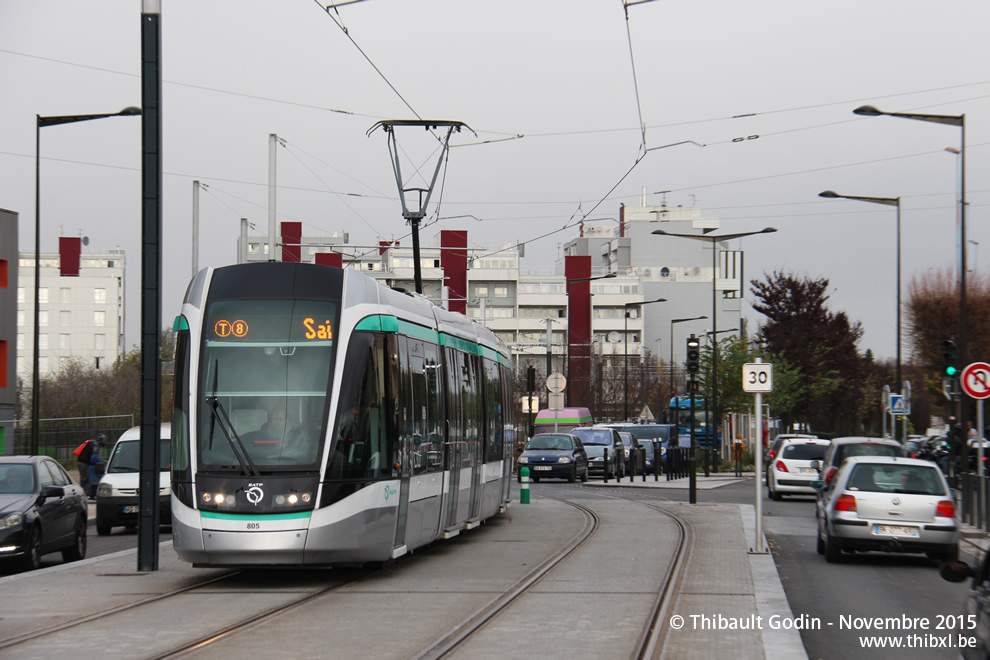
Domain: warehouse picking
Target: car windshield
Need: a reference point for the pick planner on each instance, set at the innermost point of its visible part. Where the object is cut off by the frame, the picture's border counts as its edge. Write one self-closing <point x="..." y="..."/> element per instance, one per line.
<point x="907" y="479"/>
<point x="592" y="437"/>
<point x="17" y="478"/>
<point x="550" y="442"/>
<point x="126" y="456"/>
<point x="803" y="452"/>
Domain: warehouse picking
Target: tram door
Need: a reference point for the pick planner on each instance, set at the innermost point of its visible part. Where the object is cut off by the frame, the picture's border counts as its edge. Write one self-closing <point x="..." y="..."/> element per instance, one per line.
<point x="404" y="446"/>
<point x="456" y="368"/>
<point x="478" y="431"/>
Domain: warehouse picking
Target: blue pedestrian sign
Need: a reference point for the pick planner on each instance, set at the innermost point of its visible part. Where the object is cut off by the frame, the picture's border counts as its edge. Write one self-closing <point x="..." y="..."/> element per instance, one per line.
<point x="899" y="405"/>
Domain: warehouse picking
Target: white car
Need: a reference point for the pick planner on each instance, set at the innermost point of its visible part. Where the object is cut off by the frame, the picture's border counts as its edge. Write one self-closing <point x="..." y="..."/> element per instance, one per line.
<point x="117" y="492"/>
<point x="791" y="471"/>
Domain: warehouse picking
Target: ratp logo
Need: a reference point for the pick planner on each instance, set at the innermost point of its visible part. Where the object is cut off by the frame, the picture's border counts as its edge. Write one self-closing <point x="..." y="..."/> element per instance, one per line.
<point x="254" y="494"/>
<point x="389" y="491"/>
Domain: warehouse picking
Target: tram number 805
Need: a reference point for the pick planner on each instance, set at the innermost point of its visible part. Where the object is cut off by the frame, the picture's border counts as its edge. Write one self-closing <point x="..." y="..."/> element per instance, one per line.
<point x="254" y="525"/>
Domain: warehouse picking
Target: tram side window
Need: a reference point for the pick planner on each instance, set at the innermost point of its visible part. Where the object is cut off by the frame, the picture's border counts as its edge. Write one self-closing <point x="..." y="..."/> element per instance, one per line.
<point x="493" y="418"/>
<point x="474" y="419"/>
<point x="359" y="444"/>
<point x="426" y="441"/>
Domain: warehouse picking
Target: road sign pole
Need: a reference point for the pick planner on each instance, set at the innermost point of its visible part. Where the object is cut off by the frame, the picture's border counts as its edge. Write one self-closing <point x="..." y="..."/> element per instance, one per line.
<point x="757" y="378"/>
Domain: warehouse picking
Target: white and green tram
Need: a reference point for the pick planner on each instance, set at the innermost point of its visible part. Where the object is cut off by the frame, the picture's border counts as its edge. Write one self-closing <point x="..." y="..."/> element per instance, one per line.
<point x="322" y="418"/>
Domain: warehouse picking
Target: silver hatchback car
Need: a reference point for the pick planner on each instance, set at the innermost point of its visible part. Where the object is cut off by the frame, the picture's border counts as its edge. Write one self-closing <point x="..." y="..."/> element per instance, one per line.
<point x="888" y="504"/>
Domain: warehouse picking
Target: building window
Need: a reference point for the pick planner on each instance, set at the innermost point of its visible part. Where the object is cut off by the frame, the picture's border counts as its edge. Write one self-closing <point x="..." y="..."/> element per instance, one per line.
<point x="63" y="342"/>
<point x="100" y="342"/>
<point x="20" y="318"/>
<point x="65" y="295"/>
<point x="501" y="292"/>
<point x="43" y="318"/>
<point x="43" y="342"/>
<point x="20" y="295"/>
<point x="65" y="318"/>
<point x="481" y="290"/>
<point x="99" y="319"/>
<point x="43" y="294"/>
<point x="20" y="342"/>
<point x="42" y="365"/>
<point x="99" y="296"/>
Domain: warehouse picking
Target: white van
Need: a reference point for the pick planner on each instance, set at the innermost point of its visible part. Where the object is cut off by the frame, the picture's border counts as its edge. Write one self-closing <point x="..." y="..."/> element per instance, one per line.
<point x="117" y="494"/>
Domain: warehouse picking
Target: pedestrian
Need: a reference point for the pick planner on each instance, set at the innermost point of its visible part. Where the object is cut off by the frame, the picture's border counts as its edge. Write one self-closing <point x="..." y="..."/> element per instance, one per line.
<point x="737" y="454"/>
<point x="84" y="453"/>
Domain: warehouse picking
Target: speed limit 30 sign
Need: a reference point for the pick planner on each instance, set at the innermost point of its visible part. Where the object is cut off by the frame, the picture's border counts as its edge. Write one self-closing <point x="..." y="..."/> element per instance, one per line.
<point x="757" y="377"/>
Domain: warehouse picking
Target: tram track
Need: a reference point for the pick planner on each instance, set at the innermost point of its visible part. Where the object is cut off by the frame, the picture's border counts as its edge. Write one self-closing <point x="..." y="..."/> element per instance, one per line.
<point x="651" y="637"/>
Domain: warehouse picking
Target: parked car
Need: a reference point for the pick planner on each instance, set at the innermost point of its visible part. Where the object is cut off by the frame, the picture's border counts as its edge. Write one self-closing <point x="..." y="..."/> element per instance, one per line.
<point x="633" y="453"/>
<point x="646" y="434"/>
<point x="554" y="456"/>
<point x="771" y="451"/>
<point x="41" y="511"/>
<point x="842" y="448"/>
<point x="975" y="619"/>
<point x="791" y="472"/>
<point x="596" y="441"/>
<point x="887" y="504"/>
<point x="117" y="494"/>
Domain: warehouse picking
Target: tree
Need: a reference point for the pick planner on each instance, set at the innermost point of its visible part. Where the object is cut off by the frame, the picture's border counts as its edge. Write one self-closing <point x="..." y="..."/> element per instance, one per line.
<point x="820" y="345"/>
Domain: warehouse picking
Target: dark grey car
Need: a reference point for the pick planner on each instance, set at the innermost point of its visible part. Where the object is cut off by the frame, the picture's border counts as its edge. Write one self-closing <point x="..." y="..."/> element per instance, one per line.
<point x="598" y="440"/>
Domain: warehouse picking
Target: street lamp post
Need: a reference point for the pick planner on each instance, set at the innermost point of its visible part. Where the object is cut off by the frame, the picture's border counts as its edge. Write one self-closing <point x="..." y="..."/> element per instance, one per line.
<point x="888" y="201"/>
<point x="714" y="240"/>
<point x="41" y="123"/>
<point x="960" y="121"/>
<point x="625" y="369"/>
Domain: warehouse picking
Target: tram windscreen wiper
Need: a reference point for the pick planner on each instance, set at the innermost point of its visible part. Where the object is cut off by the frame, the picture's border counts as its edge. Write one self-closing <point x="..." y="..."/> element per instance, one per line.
<point x="247" y="465"/>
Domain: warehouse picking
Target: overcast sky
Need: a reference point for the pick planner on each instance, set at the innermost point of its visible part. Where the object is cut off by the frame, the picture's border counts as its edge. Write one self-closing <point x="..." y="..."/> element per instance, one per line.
<point x="558" y="73"/>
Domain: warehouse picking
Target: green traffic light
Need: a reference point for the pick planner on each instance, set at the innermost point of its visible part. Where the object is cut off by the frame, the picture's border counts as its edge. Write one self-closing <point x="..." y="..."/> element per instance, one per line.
<point x="951" y="371"/>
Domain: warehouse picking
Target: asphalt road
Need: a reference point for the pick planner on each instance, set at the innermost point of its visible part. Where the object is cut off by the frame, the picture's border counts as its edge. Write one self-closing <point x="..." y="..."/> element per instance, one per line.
<point x="864" y="586"/>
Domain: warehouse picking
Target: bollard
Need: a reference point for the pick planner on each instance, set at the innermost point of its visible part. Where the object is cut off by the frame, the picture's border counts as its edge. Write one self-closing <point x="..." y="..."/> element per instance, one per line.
<point x="524" y="485"/>
<point x="605" y="465"/>
<point x="642" y="451"/>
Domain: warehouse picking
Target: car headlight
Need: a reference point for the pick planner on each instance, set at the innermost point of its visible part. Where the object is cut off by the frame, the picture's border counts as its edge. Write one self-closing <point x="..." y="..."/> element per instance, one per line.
<point x="12" y="520"/>
<point x="104" y="490"/>
<point x="523" y="459"/>
<point x="564" y="459"/>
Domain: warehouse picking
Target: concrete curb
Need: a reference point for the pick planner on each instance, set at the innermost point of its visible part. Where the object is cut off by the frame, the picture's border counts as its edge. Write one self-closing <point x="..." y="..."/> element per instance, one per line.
<point x="770" y="597"/>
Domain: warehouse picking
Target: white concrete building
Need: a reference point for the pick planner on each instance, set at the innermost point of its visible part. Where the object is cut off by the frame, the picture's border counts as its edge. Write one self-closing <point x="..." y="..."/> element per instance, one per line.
<point x="81" y="318"/>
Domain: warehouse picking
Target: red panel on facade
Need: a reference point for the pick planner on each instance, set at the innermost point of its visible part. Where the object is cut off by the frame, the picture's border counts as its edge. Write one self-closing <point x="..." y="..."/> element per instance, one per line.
<point x="3" y="273"/>
<point x="291" y="237"/>
<point x="332" y="259"/>
<point x="453" y="261"/>
<point x="69" y="248"/>
<point x="3" y="363"/>
<point x="383" y="246"/>
<point x="578" y="329"/>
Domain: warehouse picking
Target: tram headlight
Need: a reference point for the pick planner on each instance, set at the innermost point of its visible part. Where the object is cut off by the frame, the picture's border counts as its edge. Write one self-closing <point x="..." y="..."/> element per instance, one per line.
<point x="218" y="500"/>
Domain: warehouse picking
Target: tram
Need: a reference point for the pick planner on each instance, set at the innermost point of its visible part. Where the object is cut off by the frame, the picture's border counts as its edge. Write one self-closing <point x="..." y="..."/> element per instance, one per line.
<point x="323" y="418"/>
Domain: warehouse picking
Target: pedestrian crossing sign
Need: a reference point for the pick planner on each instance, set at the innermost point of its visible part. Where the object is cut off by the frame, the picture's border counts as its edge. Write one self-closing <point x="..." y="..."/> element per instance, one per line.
<point x="899" y="405"/>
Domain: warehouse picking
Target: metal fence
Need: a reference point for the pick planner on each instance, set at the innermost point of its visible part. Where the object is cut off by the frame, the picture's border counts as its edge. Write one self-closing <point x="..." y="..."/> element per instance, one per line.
<point x="58" y="437"/>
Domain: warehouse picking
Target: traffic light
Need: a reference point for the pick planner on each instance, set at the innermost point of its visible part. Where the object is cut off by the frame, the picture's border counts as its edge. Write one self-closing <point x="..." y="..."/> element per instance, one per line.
<point x="530" y="378"/>
<point x="693" y="355"/>
<point x="950" y="357"/>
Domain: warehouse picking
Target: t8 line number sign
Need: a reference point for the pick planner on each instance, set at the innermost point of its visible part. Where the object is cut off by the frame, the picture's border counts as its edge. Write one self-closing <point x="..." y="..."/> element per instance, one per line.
<point x="757" y="377"/>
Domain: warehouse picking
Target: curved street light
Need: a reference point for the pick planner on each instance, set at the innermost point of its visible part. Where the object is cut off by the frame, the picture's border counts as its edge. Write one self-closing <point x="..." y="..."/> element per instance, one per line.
<point x="625" y="314"/>
<point x="42" y="122"/>
<point x="714" y="240"/>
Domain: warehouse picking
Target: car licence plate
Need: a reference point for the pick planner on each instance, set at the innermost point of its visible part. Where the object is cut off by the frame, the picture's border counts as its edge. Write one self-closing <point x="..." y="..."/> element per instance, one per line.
<point x="541" y="467"/>
<point x="132" y="508"/>
<point x="809" y="471"/>
<point x="896" y="530"/>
